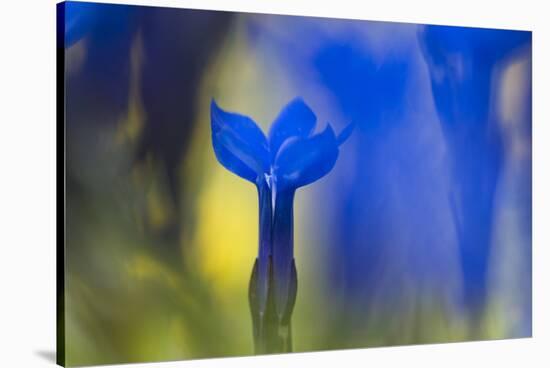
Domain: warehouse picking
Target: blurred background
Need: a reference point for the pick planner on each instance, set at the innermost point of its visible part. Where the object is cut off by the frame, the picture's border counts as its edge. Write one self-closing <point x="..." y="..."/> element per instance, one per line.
<point x="420" y="234"/>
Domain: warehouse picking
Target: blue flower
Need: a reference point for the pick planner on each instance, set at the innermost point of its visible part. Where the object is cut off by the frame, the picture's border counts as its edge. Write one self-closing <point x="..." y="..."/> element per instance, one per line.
<point x="291" y="156"/>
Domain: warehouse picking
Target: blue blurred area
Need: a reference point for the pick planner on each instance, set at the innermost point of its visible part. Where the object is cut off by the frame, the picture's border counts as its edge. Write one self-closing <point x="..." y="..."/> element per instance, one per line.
<point x="373" y="96"/>
<point x="103" y="21"/>
<point x="79" y="20"/>
<point x="107" y="31"/>
<point x="365" y="90"/>
<point x="417" y="214"/>
<point x="462" y="64"/>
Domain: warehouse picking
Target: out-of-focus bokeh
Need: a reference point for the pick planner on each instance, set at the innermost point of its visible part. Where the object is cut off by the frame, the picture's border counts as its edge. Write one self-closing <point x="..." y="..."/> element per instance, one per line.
<point x="421" y="233"/>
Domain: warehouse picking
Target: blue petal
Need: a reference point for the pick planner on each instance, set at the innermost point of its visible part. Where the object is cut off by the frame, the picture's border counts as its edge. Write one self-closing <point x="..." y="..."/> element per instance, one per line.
<point x="295" y="120"/>
<point x="239" y="144"/>
<point x="345" y="134"/>
<point x="302" y="161"/>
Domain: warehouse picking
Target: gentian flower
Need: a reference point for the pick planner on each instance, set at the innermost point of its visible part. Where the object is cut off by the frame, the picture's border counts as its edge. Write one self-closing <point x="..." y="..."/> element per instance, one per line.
<point x="291" y="156"/>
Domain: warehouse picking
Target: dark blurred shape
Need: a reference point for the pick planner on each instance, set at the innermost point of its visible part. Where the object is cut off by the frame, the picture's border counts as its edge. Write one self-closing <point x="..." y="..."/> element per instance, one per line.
<point x="177" y="45"/>
<point x="99" y="91"/>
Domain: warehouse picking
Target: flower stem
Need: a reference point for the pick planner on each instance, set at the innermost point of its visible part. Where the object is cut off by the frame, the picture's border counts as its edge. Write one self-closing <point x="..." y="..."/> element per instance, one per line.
<point x="273" y="284"/>
<point x="283" y="254"/>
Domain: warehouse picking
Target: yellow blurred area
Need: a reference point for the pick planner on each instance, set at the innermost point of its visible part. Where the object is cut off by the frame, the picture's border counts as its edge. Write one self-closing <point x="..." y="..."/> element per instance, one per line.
<point x="227" y="231"/>
<point x="142" y="267"/>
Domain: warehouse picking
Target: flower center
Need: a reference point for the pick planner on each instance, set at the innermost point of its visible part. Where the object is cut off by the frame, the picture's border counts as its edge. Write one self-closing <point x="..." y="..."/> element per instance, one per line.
<point x="271" y="181"/>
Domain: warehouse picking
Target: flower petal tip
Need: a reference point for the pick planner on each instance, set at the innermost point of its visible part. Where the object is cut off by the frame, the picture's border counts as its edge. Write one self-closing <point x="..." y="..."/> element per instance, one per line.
<point x="296" y="119"/>
<point x="345" y="133"/>
<point x="239" y="144"/>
